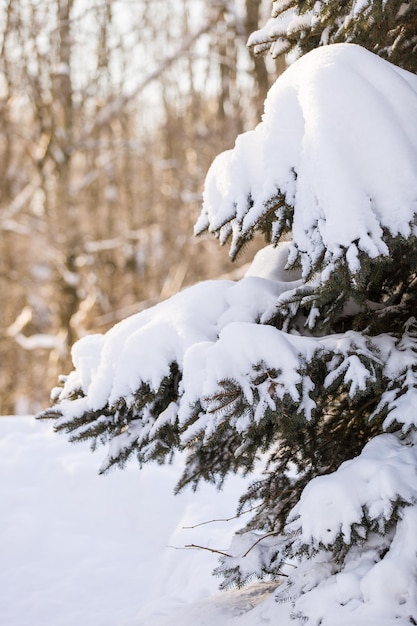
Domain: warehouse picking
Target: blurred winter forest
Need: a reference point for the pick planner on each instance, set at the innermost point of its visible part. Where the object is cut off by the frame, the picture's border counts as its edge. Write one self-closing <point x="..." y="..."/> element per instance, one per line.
<point x="111" y="112"/>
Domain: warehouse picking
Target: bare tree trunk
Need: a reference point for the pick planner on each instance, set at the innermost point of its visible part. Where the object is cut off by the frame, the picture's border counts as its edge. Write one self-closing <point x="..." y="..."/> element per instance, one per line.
<point x="261" y="74"/>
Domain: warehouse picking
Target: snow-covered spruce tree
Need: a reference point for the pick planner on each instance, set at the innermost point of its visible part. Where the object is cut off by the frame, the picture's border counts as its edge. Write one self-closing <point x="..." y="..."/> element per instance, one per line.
<point x="387" y="28"/>
<point x="307" y="367"/>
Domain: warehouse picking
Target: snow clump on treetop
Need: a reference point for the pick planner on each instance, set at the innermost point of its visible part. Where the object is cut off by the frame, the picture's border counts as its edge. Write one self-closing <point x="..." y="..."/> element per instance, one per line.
<point x="319" y="162"/>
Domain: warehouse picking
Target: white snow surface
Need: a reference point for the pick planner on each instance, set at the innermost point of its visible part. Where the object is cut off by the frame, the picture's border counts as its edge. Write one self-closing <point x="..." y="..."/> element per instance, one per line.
<point x="79" y="549"/>
<point x="338" y="140"/>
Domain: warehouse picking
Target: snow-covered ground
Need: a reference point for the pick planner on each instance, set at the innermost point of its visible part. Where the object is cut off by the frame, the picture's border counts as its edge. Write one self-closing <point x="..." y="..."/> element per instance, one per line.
<point x="79" y="549"/>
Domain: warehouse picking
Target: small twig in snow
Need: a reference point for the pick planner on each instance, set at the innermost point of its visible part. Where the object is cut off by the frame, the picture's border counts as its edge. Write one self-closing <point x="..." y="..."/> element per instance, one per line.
<point x="224" y="519"/>
<point x="193" y="545"/>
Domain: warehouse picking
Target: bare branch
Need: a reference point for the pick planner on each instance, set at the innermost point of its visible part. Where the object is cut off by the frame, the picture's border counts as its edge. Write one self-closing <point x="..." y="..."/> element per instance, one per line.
<point x="110" y="111"/>
<point x="225" y="519"/>
<point x="273" y="534"/>
<point x="193" y="545"/>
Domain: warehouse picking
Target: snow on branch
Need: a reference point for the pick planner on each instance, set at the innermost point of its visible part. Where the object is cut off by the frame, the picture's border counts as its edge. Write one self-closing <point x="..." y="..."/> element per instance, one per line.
<point x="202" y="360"/>
<point x="383" y="474"/>
<point x="334" y="160"/>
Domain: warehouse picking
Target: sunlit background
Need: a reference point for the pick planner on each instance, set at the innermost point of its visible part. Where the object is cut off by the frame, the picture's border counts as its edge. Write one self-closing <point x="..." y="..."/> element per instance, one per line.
<point x="111" y="113"/>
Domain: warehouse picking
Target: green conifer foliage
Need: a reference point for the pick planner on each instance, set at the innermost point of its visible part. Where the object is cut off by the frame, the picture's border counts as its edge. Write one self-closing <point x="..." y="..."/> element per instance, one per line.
<point x="388" y="29"/>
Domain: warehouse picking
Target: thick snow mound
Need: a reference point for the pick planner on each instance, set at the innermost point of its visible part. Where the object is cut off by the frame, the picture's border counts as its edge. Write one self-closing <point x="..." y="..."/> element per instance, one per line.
<point x="337" y="145"/>
<point x="107" y="366"/>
